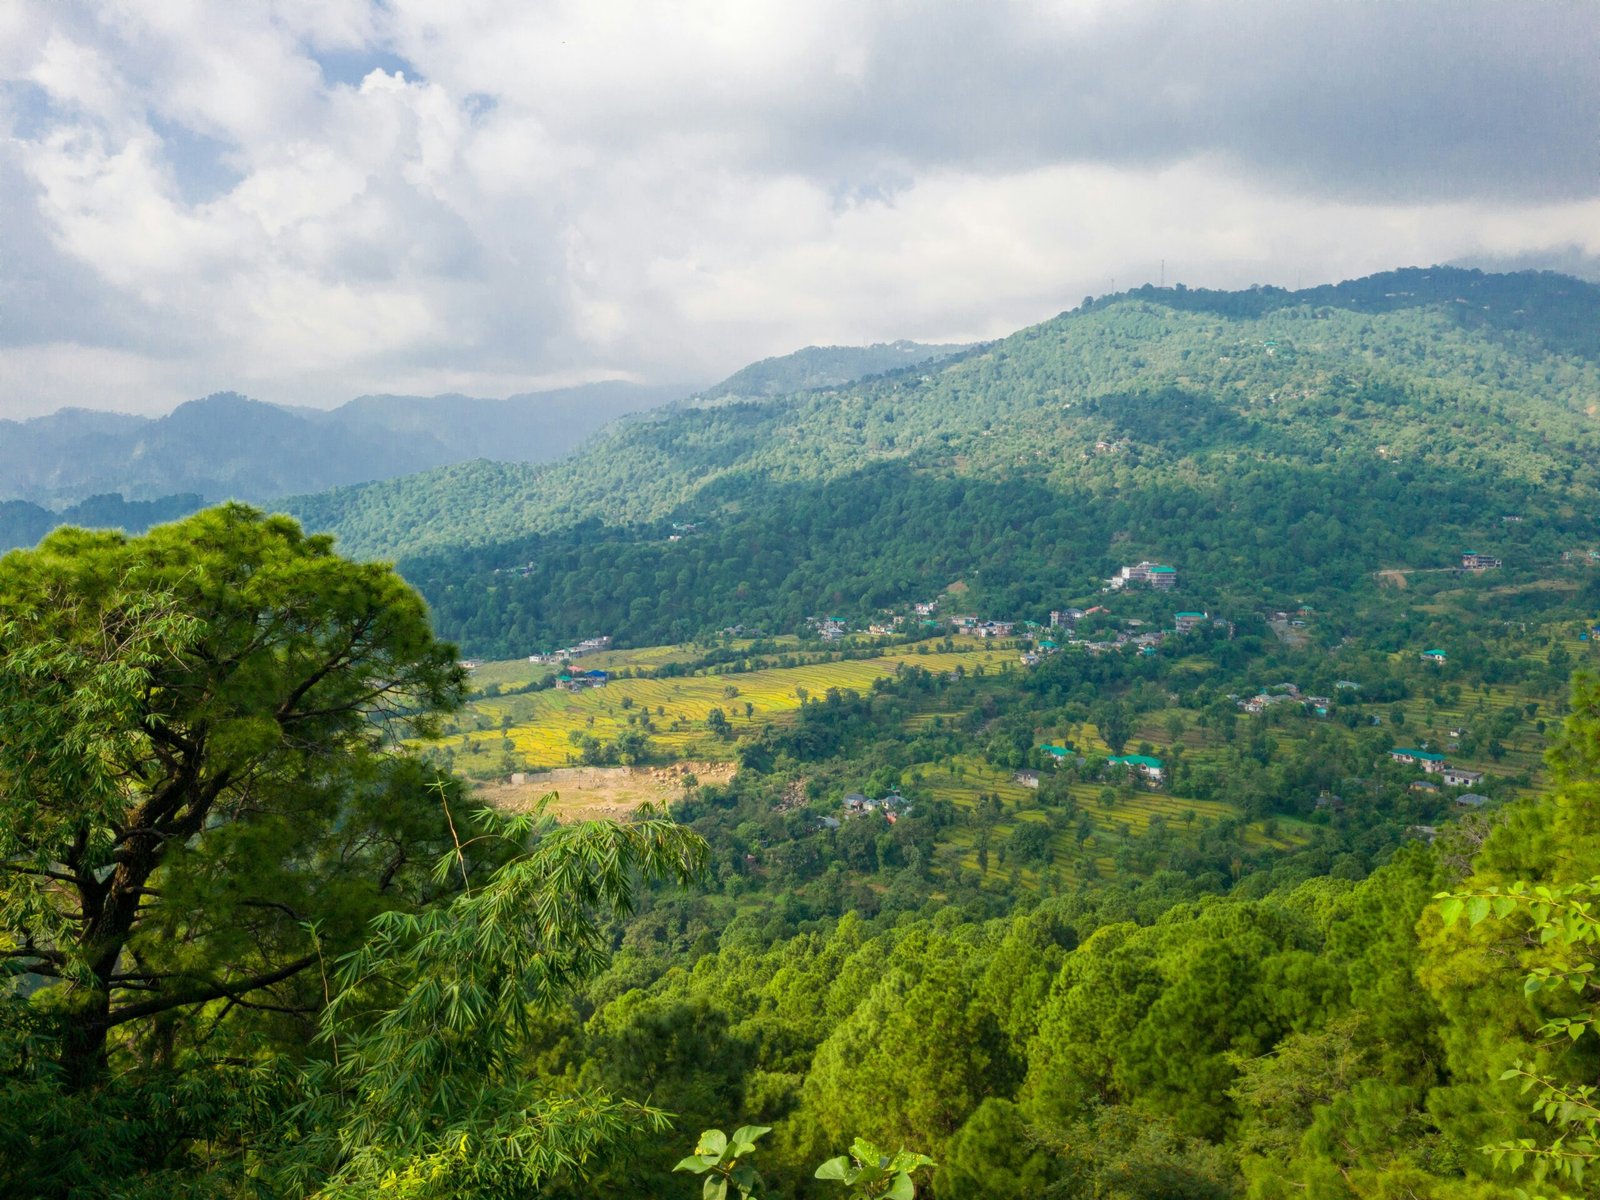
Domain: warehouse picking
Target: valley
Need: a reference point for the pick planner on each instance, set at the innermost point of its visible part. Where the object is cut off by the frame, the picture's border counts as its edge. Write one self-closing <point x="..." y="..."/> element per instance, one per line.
<point x="1079" y="728"/>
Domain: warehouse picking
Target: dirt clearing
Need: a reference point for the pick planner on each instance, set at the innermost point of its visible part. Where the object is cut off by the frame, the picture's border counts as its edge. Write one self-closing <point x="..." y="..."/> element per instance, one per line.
<point x="600" y="793"/>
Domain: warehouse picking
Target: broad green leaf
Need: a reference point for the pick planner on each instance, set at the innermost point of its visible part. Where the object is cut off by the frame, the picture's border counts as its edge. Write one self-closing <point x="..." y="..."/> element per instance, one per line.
<point x="835" y="1168"/>
<point x="694" y="1163"/>
<point x="745" y="1137"/>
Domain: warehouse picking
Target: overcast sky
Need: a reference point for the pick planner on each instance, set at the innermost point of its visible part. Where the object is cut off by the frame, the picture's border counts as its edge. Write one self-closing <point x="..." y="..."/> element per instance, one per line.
<point x="305" y="200"/>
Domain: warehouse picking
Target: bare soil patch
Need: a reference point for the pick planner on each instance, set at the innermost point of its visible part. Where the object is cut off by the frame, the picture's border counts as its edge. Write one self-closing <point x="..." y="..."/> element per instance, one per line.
<point x="600" y="793"/>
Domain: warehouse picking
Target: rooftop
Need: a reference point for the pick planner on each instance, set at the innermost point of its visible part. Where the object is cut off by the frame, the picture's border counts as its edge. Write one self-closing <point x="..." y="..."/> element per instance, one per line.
<point x="1136" y="760"/>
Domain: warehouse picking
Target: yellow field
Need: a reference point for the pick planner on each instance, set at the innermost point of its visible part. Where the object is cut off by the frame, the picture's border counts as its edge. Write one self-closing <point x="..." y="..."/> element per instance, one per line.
<point x="538" y="724"/>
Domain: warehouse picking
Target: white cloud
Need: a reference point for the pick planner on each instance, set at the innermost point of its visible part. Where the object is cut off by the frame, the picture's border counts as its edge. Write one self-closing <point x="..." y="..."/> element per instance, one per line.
<point x="505" y="195"/>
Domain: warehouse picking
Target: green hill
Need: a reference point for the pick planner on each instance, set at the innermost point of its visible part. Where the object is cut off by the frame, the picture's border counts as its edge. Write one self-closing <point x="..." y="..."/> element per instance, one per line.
<point x="823" y="366"/>
<point x="1267" y="443"/>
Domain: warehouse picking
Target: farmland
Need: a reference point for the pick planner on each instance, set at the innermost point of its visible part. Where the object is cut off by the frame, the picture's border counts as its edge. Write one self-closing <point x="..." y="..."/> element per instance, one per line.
<point x="1114" y="817"/>
<point x="534" y="730"/>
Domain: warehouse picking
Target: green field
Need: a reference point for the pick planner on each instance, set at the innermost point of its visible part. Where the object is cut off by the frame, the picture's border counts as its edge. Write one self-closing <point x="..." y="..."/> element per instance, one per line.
<point x="1127" y="818"/>
<point x="538" y="724"/>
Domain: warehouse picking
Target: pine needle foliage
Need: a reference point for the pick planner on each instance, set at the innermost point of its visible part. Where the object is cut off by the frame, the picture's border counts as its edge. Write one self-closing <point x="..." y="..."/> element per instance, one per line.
<point x="425" y="1092"/>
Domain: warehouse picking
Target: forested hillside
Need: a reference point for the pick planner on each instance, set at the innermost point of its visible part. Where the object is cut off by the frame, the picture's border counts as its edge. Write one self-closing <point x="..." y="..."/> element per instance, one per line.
<point x="1152" y="757"/>
<point x="263" y="944"/>
<point x="823" y="366"/>
<point x="23" y="524"/>
<point x="1270" y="443"/>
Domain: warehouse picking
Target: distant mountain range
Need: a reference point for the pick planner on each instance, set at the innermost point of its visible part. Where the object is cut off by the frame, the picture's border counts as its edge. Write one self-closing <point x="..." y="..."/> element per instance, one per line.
<point x="229" y="446"/>
<point x="85" y="466"/>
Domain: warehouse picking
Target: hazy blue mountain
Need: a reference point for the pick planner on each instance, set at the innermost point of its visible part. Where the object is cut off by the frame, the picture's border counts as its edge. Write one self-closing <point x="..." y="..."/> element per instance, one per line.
<point x="23" y="523"/>
<point x="227" y="445"/>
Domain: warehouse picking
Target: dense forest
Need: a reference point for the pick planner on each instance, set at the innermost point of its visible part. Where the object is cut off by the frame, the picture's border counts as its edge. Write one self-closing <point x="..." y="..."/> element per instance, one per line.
<point x="1385" y="374"/>
<point x="263" y="949"/>
<point x="974" y="873"/>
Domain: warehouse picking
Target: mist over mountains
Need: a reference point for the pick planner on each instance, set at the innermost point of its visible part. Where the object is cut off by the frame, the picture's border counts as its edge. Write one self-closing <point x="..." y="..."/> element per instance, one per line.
<point x="227" y="445"/>
<point x="93" y="467"/>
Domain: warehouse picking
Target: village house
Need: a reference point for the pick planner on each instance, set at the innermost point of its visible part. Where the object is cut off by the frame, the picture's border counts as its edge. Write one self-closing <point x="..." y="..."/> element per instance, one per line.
<point x="1186" y="621"/>
<point x="1156" y="575"/>
<point x="1460" y="776"/>
<point x="1150" y="768"/>
<point x="1471" y="560"/>
<point x="1028" y="779"/>
<point x="1065" y="616"/>
<point x="1426" y="759"/>
<point x="592" y="645"/>
<point x="574" y="681"/>
<point x="1471" y="800"/>
<point x="1436" y="657"/>
<point x="1261" y="701"/>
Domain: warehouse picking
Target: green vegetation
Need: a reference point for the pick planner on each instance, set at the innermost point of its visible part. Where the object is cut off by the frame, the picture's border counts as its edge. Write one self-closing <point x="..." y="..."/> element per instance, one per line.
<point x="821" y="367"/>
<point x="1126" y="908"/>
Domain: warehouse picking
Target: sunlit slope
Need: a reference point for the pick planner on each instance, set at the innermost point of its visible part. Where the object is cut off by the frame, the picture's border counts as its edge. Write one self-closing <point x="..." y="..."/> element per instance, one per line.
<point x="1443" y="368"/>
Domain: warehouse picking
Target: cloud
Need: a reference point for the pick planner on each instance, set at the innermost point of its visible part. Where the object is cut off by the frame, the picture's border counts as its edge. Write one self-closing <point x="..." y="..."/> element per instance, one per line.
<point x="311" y="200"/>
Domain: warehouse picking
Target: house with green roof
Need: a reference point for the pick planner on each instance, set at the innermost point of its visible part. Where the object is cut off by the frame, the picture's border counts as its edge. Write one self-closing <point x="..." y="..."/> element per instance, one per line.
<point x="1436" y="657"/>
<point x="1059" y="753"/>
<point x="1149" y="767"/>
<point x="1426" y="759"/>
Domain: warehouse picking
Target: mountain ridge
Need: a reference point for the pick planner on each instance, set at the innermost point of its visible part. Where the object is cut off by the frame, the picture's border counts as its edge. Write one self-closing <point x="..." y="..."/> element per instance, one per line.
<point x="1315" y="377"/>
<point x="227" y="445"/>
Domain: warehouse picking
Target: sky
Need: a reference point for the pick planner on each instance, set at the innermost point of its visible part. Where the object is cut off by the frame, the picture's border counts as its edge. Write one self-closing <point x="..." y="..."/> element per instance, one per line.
<point x="308" y="200"/>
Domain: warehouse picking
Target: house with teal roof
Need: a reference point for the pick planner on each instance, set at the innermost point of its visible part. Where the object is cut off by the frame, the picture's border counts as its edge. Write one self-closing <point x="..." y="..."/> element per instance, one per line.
<point x="1425" y="759"/>
<point x="1146" y="765"/>
<point x="1436" y="657"/>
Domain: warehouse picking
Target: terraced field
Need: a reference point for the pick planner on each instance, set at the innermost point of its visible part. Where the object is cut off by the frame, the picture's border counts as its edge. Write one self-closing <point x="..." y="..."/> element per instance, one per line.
<point x="538" y="725"/>
<point x="963" y="781"/>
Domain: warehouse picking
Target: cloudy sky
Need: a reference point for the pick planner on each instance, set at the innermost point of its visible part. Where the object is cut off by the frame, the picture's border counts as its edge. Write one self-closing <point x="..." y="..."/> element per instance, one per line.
<point x="305" y="200"/>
